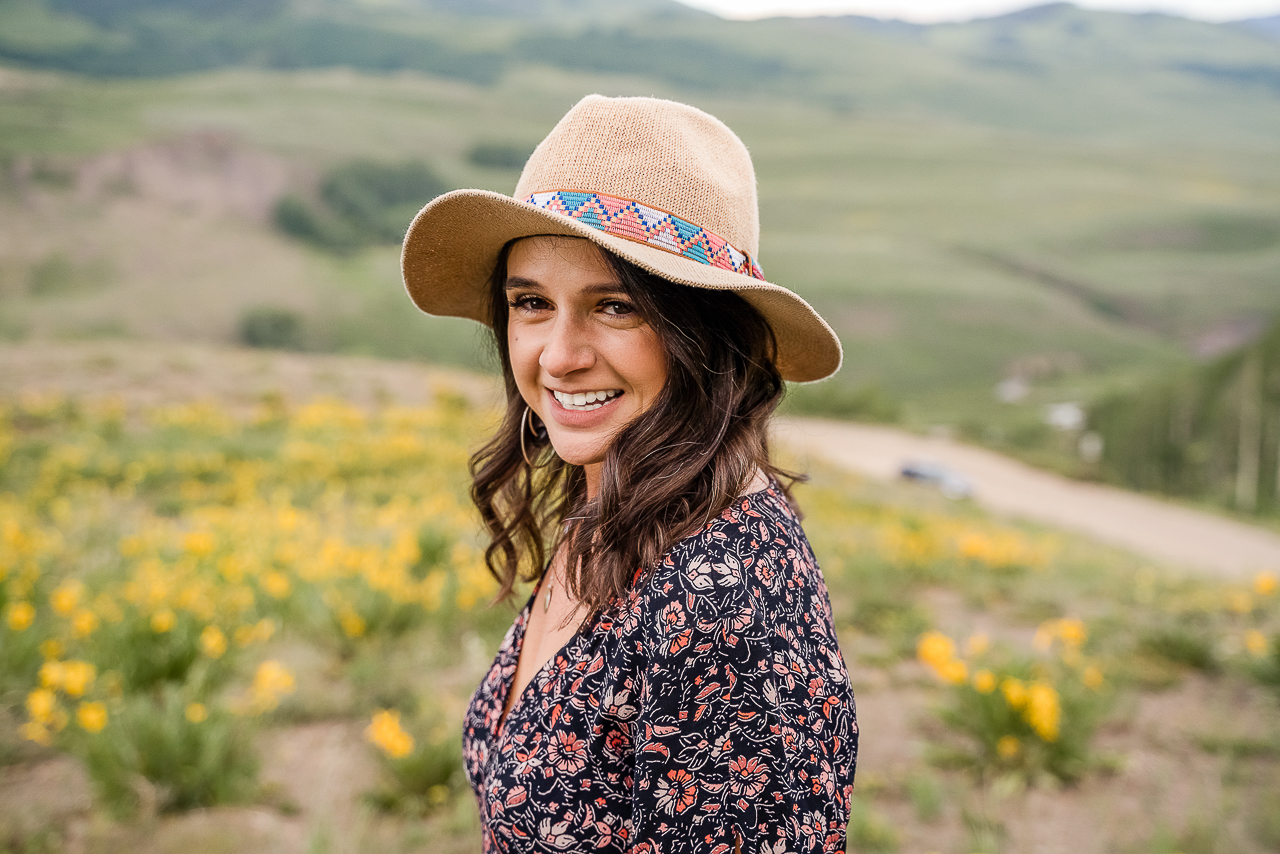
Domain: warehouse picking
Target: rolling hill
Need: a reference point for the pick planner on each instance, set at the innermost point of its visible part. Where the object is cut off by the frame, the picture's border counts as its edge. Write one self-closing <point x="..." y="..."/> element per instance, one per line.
<point x="1072" y="198"/>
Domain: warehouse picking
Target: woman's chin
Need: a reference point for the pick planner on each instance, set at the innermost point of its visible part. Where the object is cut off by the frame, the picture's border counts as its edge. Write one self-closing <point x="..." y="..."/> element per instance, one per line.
<point x="577" y="455"/>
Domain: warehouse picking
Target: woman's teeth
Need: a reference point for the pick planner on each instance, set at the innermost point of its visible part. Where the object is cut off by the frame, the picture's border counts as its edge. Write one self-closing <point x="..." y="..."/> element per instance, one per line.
<point x="584" y="401"/>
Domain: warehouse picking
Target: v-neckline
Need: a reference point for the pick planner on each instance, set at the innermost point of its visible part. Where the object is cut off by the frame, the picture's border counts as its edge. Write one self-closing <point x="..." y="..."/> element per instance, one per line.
<point x="517" y="645"/>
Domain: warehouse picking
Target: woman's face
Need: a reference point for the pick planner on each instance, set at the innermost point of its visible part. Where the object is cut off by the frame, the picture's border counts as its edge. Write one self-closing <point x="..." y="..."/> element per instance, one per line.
<point x="584" y="359"/>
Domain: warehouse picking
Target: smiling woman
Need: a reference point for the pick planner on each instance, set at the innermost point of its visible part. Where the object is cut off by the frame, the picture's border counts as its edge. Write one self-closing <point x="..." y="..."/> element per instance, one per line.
<point x="674" y="683"/>
<point x="583" y="357"/>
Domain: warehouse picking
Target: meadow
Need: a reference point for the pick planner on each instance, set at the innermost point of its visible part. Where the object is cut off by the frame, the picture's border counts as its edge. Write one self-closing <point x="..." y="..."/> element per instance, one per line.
<point x="253" y="621"/>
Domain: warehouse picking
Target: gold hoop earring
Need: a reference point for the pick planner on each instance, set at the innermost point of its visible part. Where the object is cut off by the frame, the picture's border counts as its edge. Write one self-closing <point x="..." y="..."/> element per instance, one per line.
<point x="526" y="425"/>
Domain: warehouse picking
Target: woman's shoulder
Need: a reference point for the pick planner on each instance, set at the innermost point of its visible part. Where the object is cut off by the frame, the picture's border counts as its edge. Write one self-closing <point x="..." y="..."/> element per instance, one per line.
<point x="744" y="558"/>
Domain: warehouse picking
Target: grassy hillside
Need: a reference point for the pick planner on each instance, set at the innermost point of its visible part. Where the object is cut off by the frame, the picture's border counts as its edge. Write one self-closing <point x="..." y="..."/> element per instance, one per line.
<point x="1077" y="199"/>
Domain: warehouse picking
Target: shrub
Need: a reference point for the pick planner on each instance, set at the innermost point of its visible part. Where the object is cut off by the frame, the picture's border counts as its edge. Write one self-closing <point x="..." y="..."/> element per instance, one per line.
<point x="499" y="155"/>
<point x="1025" y="718"/>
<point x="1183" y="645"/>
<point x="312" y="224"/>
<point x="168" y="752"/>
<point x="271" y="328"/>
<point x="420" y="773"/>
<point x="360" y="203"/>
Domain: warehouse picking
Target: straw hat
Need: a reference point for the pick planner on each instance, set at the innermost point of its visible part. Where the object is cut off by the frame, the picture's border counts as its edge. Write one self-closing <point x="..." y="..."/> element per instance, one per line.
<point x="662" y="184"/>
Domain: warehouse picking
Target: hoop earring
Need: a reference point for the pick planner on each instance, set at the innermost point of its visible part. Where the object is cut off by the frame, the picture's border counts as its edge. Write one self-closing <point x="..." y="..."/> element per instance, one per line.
<point x="526" y="426"/>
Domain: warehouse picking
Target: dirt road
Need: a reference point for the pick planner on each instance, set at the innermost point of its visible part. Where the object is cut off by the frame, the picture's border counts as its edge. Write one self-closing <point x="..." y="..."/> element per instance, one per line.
<point x="1166" y="532"/>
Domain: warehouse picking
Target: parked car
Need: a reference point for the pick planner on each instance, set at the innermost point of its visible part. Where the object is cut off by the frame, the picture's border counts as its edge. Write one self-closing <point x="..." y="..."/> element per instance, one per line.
<point x="950" y="483"/>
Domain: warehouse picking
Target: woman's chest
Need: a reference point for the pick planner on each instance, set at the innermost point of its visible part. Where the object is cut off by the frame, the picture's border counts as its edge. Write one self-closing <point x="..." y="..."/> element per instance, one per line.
<point x="560" y="766"/>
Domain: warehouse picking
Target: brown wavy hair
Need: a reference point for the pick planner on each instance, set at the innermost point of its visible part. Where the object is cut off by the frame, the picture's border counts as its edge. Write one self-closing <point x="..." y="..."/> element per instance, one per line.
<point x="669" y="471"/>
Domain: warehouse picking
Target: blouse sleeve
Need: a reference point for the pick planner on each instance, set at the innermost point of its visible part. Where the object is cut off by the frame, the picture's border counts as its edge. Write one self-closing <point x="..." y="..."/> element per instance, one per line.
<point x="745" y="733"/>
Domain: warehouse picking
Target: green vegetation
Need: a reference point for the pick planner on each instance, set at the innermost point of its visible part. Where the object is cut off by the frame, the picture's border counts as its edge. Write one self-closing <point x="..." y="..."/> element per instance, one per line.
<point x="499" y="155"/>
<point x="361" y="203"/>
<point x="272" y="328"/>
<point x="1212" y="432"/>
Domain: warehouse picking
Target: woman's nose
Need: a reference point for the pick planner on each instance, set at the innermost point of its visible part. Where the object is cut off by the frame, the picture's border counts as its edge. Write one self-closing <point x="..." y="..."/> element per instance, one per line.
<point x="567" y="349"/>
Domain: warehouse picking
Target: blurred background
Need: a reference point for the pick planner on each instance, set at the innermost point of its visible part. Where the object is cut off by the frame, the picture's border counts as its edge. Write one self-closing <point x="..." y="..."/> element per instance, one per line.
<point x="1049" y="231"/>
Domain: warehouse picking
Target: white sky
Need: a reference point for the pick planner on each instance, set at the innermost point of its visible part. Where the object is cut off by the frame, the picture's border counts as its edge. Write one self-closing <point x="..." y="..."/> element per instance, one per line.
<point x="926" y="11"/>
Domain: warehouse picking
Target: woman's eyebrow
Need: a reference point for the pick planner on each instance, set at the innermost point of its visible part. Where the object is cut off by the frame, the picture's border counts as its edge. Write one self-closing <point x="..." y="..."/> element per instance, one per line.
<point x="520" y="283"/>
<point x="515" y="283"/>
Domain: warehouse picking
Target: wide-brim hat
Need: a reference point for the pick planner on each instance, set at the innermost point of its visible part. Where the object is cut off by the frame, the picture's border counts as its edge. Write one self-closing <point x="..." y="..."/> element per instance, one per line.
<point x="659" y="183"/>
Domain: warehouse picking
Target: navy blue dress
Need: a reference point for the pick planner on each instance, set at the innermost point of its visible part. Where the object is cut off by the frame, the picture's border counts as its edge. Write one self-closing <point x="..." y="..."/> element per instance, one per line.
<point x="709" y="709"/>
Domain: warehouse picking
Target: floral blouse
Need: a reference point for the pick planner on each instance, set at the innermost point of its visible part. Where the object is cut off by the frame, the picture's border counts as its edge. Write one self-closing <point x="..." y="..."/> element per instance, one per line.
<point x="710" y="709"/>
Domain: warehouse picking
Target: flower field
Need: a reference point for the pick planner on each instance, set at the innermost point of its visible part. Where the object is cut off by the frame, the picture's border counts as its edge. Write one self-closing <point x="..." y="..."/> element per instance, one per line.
<point x="180" y="585"/>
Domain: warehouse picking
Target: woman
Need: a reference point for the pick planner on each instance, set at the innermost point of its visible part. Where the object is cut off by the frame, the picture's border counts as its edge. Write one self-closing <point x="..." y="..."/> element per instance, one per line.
<point x="674" y="683"/>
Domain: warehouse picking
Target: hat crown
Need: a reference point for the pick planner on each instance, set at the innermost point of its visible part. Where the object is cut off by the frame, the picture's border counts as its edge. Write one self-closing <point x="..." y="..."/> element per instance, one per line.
<point x="659" y="153"/>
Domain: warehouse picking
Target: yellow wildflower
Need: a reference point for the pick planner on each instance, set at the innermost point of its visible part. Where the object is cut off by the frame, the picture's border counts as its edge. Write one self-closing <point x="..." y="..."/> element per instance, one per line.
<point x="213" y="642"/>
<point x="92" y="716"/>
<point x="1008" y="746"/>
<point x="385" y="732"/>
<point x="276" y="584"/>
<point x="1072" y="632"/>
<point x="977" y="644"/>
<point x="83" y="623"/>
<point x="1043" y="711"/>
<point x="1092" y="677"/>
<point x="270" y="683"/>
<point x="199" y="543"/>
<point x="1256" y="642"/>
<point x="37" y="732"/>
<point x="77" y="677"/>
<point x="52" y="674"/>
<point x="1265" y="583"/>
<point x="353" y="624"/>
<point x="20" y="616"/>
<point x="162" y="621"/>
<point x="260" y="631"/>
<point x="1015" y="693"/>
<point x="954" y="671"/>
<point x="935" y="649"/>
<point x="984" y="681"/>
<point x="196" y="712"/>
<point x="51" y="649"/>
<point x="66" y="597"/>
<point x="41" y="704"/>
<point x="1240" y="602"/>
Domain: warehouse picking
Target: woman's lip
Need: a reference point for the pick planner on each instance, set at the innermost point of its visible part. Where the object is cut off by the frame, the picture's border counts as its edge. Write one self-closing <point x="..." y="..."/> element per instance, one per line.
<point x="581" y="417"/>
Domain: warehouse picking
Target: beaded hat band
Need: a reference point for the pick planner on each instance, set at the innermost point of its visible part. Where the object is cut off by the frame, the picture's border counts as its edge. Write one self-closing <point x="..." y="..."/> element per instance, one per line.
<point x="648" y="225"/>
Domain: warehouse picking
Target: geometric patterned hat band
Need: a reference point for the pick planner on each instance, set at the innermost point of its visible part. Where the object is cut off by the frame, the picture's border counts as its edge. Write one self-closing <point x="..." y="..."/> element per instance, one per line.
<point x="631" y="220"/>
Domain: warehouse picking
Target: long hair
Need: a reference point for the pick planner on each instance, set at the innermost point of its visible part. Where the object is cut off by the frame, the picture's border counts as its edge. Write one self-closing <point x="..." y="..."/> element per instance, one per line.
<point x="670" y="470"/>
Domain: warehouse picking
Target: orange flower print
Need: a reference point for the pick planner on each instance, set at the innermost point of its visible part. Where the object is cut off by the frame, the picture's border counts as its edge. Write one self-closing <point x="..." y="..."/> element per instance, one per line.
<point x="567" y="752"/>
<point x="677" y="791"/>
<point x="672" y="620"/>
<point x="748" y="777"/>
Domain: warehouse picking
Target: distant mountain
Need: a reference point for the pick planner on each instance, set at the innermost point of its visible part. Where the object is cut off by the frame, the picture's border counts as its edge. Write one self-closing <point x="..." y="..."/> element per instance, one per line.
<point x="1269" y="27"/>
<point x="1052" y="68"/>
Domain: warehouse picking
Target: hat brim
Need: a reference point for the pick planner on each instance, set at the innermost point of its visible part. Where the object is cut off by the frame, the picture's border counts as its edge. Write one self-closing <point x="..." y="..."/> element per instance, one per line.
<point x="453" y="244"/>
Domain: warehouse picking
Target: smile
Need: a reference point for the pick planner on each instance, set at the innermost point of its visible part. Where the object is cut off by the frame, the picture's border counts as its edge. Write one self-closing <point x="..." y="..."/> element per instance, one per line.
<point x="585" y="401"/>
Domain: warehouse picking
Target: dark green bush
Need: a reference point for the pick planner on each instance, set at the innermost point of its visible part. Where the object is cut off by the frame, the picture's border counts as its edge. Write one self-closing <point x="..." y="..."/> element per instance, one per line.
<point x="361" y="203"/>
<point x="271" y="328"/>
<point x="499" y="155"/>
<point x="309" y="223"/>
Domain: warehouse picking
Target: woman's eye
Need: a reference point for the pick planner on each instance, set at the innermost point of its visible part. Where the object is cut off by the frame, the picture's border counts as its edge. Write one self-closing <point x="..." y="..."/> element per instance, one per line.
<point x="618" y="307"/>
<point x="527" y="303"/>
